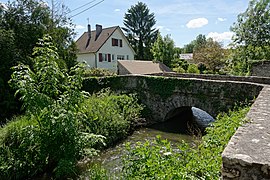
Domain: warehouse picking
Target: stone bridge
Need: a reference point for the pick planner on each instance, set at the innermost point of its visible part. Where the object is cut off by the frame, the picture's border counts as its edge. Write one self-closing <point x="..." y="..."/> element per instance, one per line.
<point x="247" y="155"/>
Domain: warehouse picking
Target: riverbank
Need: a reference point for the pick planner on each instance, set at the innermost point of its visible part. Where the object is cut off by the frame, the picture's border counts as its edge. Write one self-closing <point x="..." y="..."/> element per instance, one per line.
<point x="156" y="159"/>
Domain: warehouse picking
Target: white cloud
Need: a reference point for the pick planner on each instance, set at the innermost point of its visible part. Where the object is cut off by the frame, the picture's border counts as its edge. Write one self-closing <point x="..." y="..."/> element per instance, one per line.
<point x="117" y="10"/>
<point x="219" y="37"/>
<point x="222" y="19"/>
<point x="197" y="23"/>
<point x="78" y="27"/>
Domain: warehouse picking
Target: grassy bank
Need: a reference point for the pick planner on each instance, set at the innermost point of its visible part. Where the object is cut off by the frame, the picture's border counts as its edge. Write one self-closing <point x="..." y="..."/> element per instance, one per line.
<point x="156" y="160"/>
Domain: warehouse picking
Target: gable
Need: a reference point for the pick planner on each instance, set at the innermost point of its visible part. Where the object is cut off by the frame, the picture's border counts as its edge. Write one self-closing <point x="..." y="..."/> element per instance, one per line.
<point x="94" y="45"/>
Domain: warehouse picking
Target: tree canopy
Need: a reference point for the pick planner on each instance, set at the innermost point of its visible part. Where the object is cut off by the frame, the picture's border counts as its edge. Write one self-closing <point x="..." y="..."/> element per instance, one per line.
<point x="195" y="44"/>
<point x="211" y="54"/>
<point x="252" y="31"/>
<point x="139" y="28"/>
<point x="22" y="23"/>
<point x="163" y="50"/>
<point x="252" y="36"/>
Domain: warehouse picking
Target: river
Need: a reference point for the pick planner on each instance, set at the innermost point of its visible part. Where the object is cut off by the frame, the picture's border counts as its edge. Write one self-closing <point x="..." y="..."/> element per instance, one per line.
<point x="174" y="130"/>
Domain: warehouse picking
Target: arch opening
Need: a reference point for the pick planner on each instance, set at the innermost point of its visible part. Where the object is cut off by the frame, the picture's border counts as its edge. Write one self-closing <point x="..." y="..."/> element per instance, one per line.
<point x="185" y="120"/>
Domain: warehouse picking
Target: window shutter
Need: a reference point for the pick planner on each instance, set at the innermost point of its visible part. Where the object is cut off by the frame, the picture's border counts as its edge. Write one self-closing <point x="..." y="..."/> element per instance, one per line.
<point x="109" y="57"/>
<point x="121" y="43"/>
<point x="100" y="57"/>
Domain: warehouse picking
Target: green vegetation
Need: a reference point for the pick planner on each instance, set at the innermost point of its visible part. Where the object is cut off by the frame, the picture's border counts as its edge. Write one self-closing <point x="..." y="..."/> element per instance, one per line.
<point x="61" y="122"/>
<point x="251" y="40"/>
<point x="139" y="28"/>
<point x="158" y="160"/>
<point x="22" y="23"/>
<point x="163" y="50"/>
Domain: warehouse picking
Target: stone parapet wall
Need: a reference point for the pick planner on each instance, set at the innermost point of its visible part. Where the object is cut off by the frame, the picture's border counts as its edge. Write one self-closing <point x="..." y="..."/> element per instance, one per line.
<point x="247" y="155"/>
<point x="261" y="68"/>
<point x="252" y="79"/>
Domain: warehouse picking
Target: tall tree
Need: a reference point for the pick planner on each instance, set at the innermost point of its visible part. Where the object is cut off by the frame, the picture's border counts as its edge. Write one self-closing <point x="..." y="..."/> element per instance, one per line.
<point x="139" y="27"/>
<point x="252" y="30"/>
<point x="212" y="55"/>
<point x="22" y="23"/>
<point x="163" y="50"/>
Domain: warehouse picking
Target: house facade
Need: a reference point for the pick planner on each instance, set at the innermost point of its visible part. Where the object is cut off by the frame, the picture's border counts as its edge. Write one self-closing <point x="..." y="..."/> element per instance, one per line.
<point x="102" y="48"/>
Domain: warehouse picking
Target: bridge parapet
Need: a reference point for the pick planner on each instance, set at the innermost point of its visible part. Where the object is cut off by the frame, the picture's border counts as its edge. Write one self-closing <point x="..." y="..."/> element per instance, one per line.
<point x="251" y="79"/>
<point x="247" y="155"/>
<point x="163" y="94"/>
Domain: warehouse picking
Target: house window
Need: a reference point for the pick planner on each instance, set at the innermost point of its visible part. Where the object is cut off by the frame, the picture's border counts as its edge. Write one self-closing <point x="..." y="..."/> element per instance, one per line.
<point x="127" y="57"/>
<point x="114" y="42"/>
<point x="117" y="42"/>
<point x="100" y="57"/>
<point x="113" y="57"/>
<point x="120" y="57"/>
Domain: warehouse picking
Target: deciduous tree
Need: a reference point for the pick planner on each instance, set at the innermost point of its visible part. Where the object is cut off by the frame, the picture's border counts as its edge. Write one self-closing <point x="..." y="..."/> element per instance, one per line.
<point x="163" y="50"/>
<point x="211" y="54"/>
<point x="252" y="36"/>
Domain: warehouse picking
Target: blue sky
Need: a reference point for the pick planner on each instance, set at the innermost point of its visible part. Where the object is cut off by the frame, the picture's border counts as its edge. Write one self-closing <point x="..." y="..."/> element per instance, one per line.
<point x="182" y="19"/>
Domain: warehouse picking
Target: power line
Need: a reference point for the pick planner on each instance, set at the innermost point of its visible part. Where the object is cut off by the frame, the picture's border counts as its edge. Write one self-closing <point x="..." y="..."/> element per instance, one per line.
<point x="86" y="9"/>
<point x="82" y="6"/>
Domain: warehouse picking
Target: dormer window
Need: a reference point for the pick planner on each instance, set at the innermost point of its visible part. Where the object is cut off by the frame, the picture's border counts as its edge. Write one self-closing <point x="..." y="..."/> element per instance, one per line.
<point x="117" y="42"/>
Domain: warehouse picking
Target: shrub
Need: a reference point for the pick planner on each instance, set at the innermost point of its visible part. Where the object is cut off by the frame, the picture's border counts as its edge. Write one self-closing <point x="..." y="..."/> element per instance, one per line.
<point x="51" y="97"/>
<point x="111" y="115"/>
<point x="192" y="68"/>
<point x="157" y="160"/>
<point x="20" y="154"/>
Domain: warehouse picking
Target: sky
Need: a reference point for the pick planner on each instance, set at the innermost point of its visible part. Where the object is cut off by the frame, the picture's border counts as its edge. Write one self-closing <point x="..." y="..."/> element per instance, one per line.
<point x="183" y="20"/>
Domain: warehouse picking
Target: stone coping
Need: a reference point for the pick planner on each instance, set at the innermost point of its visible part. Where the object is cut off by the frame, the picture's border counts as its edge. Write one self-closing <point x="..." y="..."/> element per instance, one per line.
<point x="252" y="79"/>
<point x="247" y="155"/>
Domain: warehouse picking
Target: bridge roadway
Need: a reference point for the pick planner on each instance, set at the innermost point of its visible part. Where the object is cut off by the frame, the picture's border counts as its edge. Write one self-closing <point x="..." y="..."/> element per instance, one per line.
<point x="247" y="155"/>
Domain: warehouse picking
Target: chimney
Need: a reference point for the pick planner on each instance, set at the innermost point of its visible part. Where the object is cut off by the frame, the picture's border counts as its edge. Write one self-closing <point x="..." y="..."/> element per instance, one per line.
<point x="89" y="31"/>
<point x="89" y="36"/>
<point x="98" y="30"/>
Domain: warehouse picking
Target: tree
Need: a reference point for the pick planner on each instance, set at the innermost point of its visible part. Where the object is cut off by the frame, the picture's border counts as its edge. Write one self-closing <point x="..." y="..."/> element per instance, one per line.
<point x="22" y="23"/>
<point x="163" y="50"/>
<point x="195" y="44"/>
<point x="139" y="28"/>
<point x="252" y="30"/>
<point x="211" y="54"/>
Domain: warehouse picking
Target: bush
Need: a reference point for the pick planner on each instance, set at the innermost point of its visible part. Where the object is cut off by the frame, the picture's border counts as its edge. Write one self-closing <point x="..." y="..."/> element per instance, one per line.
<point x="192" y="68"/>
<point x="111" y="115"/>
<point x="157" y="160"/>
<point x="51" y="97"/>
<point x="20" y="154"/>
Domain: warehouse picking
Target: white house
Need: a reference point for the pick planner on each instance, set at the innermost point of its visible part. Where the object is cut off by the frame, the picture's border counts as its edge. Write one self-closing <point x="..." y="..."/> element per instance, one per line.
<point x="103" y="47"/>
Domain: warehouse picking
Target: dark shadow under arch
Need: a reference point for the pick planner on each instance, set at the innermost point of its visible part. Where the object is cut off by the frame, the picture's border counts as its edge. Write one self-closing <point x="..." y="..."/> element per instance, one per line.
<point x="184" y="120"/>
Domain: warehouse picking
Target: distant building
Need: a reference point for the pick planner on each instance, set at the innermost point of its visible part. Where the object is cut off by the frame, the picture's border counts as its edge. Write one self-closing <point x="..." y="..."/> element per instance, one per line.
<point x="186" y="56"/>
<point x="141" y="67"/>
<point x="103" y="47"/>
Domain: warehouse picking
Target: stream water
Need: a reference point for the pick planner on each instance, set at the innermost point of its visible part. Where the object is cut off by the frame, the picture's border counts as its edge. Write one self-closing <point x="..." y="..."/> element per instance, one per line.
<point x="174" y="130"/>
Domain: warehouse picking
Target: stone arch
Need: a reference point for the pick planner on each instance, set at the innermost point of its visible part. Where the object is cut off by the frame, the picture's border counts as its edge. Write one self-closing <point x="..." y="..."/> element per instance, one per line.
<point x="187" y="115"/>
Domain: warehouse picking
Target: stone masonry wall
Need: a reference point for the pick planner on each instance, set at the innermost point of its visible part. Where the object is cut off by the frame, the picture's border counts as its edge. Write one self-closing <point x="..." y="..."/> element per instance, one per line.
<point x="247" y="155"/>
<point x="164" y="94"/>
<point x="261" y="68"/>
